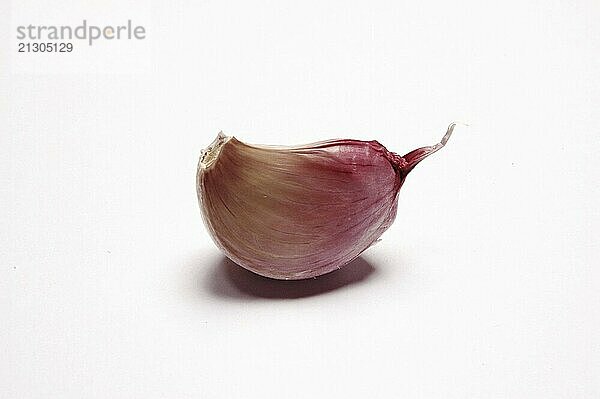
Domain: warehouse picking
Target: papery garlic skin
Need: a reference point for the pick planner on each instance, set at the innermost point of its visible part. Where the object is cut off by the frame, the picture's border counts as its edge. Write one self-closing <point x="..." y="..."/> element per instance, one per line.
<point x="300" y="212"/>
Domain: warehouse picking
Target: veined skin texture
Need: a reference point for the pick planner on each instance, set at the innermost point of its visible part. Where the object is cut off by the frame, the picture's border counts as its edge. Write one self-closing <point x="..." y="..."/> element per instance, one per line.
<point x="300" y="212"/>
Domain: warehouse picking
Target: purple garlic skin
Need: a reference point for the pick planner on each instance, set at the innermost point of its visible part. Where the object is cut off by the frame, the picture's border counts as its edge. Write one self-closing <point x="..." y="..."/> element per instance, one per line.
<point x="299" y="212"/>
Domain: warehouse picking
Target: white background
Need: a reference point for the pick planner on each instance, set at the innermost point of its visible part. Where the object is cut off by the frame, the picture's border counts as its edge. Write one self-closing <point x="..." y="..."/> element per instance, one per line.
<point x="486" y="286"/>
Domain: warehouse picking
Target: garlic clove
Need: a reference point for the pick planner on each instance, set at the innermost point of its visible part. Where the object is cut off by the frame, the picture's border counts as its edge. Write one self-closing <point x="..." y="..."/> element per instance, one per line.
<point x="300" y="212"/>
